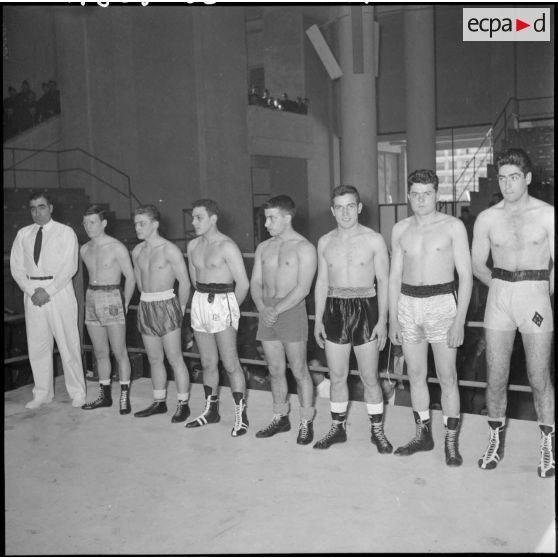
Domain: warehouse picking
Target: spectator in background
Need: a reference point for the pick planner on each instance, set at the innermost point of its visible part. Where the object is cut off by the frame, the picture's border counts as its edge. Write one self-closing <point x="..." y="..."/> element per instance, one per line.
<point x="9" y="106"/>
<point x="54" y="98"/>
<point x="25" y="107"/>
<point x="42" y="102"/>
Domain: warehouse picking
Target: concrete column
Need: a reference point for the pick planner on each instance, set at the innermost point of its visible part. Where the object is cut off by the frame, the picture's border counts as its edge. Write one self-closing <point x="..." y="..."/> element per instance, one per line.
<point x="420" y="84"/>
<point x="359" y="152"/>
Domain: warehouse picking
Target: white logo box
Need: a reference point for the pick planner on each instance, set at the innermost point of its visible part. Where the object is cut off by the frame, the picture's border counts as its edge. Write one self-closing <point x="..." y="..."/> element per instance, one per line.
<point x="501" y="24"/>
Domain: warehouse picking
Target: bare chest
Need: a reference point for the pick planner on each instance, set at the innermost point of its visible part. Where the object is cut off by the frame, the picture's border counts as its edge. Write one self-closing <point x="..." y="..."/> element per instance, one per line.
<point x="420" y="244"/>
<point x="282" y="257"/>
<point x="353" y="253"/>
<point x="208" y="258"/>
<point x="517" y="232"/>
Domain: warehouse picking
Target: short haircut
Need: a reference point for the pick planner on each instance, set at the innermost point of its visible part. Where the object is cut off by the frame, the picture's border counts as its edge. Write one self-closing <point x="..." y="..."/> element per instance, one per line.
<point x="514" y="156"/>
<point x="150" y="210"/>
<point x="210" y="206"/>
<point x="423" y="176"/>
<point x="97" y="209"/>
<point x="282" y="202"/>
<point x="41" y="194"/>
<point x="344" y="189"/>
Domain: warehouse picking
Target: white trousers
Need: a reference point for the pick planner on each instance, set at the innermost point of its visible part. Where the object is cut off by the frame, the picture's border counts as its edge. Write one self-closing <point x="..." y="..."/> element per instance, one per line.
<point x="56" y="320"/>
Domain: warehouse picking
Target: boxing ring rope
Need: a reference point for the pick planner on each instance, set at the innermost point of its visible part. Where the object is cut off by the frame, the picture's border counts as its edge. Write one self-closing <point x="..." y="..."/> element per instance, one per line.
<point x="257" y="362"/>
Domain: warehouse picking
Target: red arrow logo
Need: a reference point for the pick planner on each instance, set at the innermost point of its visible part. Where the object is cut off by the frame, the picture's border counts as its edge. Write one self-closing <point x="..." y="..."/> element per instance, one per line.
<point x="519" y="25"/>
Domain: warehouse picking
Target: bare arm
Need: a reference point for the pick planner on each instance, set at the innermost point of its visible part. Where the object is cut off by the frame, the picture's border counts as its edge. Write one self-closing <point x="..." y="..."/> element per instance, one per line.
<point x="462" y="260"/>
<point x="234" y="260"/>
<point x="137" y="272"/>
<point x="320" y="293"/>
<point x="549" y="222"/>
<point x="256" y="281"/>
<point x="381" y="268"/>
<point x="191" y="266"/>
<point x="123" y="258"/>
<point x="481" y="248"/>
<point x="306" y="255"/>
<point x="395" y="275"/>
<point x="178" y="265"/>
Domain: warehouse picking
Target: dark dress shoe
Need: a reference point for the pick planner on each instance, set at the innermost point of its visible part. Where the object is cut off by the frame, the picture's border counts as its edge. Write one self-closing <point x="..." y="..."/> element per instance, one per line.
<point x="156" y="408"/>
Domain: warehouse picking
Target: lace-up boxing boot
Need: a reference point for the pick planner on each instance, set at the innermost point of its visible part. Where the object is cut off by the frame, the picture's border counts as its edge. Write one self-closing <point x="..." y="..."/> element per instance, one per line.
<point x="279" y="423"/>
<point x="453" y="457"/>
<point x="104" y="399"/>
<point x="422" y="441"/>
<point x="377" y="435"/>
<point x="495" y="450"/>
<point x="546" y="465"/>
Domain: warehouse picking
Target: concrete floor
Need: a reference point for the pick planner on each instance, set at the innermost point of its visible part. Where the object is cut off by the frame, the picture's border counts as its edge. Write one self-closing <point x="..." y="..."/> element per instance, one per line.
<point x="96" y="482"/>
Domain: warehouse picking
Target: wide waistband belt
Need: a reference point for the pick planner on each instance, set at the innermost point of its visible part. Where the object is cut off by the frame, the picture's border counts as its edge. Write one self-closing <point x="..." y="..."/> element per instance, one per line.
<point x="522" y="275"/>
<point x="45" y="278"/>
<point x="351" y="292"/>
<point x="157" y="296"/>
<point x="103" y="287"/>
<point x="215" y="288"/>
<point x="424" y="291"/>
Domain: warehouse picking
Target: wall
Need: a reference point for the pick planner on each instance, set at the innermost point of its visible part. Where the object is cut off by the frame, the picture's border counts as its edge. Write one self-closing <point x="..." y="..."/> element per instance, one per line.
<point x="473" y="79"/>
<point x="31" y="47"/>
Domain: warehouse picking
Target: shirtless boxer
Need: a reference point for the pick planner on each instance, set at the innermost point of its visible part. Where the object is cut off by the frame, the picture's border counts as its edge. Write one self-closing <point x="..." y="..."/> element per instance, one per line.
<point x="106" y="306"/>
<point x="348" y="313"/>
<point x="519" y="232"/>
<point x="217" y="270"/>
<point x="284" y="267"/>
<point x="427" y="248"/>
<point x="158" y="263"/>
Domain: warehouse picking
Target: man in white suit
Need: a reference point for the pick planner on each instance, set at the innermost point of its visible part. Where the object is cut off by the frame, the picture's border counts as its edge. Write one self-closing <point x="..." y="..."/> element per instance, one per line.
<point x="43" y="260"/>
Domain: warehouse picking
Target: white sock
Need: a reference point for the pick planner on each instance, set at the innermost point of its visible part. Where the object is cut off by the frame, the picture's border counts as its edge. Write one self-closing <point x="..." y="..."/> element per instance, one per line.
<point x="375" y="408"/>
<point x="183" y="396"/>
<point x="339" y="407"/>
<point x="424" y="415"/>
<point x="104" y="382"/>
<point x="159" y="394"/>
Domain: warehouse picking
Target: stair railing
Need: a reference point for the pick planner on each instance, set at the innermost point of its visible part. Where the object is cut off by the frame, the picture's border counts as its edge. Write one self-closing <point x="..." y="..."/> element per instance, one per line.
<point x="15" y="167"/>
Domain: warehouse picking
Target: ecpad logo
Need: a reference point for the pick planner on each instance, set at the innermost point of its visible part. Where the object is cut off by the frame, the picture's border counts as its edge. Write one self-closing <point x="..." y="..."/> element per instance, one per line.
<point x="506" y="24"/>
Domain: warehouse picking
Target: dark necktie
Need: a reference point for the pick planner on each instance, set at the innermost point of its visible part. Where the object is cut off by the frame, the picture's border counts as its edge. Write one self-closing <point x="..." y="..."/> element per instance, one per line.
<point x="37" y="248"/>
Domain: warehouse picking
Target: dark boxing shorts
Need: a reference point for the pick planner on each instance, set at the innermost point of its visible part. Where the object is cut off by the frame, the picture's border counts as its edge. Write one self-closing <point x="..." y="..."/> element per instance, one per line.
<point x="159" y="313"/>
<point x="291" y="326"/>
<point x="350" y="315"/>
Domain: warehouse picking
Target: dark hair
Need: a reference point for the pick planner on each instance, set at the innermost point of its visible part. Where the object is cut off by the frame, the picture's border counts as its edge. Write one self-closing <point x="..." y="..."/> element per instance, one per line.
<point x="282" y="202"/>
<point x="150" y="210"/>
<point x="423" y="176"/>
<point x="97" y="209"/>
<point x="210" y="206"/>
<point x="344" y="189"/>
<point x="514" y="156"/>
<point x="41" y="194"/>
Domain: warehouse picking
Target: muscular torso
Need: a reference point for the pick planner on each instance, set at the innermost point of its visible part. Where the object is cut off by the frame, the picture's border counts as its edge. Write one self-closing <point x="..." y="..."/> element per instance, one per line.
<point x="428" y="252"/>
<point x="519" y="240"/>
<point x="156" y="273"/>
<point x="101" y="261"/>
<point x="208" y="259"/>
<point x="280" y="266"/>
<point x="350" y="261"/>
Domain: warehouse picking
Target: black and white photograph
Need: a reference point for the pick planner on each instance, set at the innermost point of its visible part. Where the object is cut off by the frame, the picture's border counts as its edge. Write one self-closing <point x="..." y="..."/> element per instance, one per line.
<point x="278" y="279"/>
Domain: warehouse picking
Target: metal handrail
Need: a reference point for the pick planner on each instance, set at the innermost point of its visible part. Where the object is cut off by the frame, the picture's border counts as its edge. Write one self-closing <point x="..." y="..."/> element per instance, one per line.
<point x="492" y="136"/>
<point x="34" y="152"/>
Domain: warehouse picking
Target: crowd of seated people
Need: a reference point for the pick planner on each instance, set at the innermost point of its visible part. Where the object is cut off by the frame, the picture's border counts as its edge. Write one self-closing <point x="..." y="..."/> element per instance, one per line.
<point x="283" y="102"/>
<point x="22" y="110"/>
